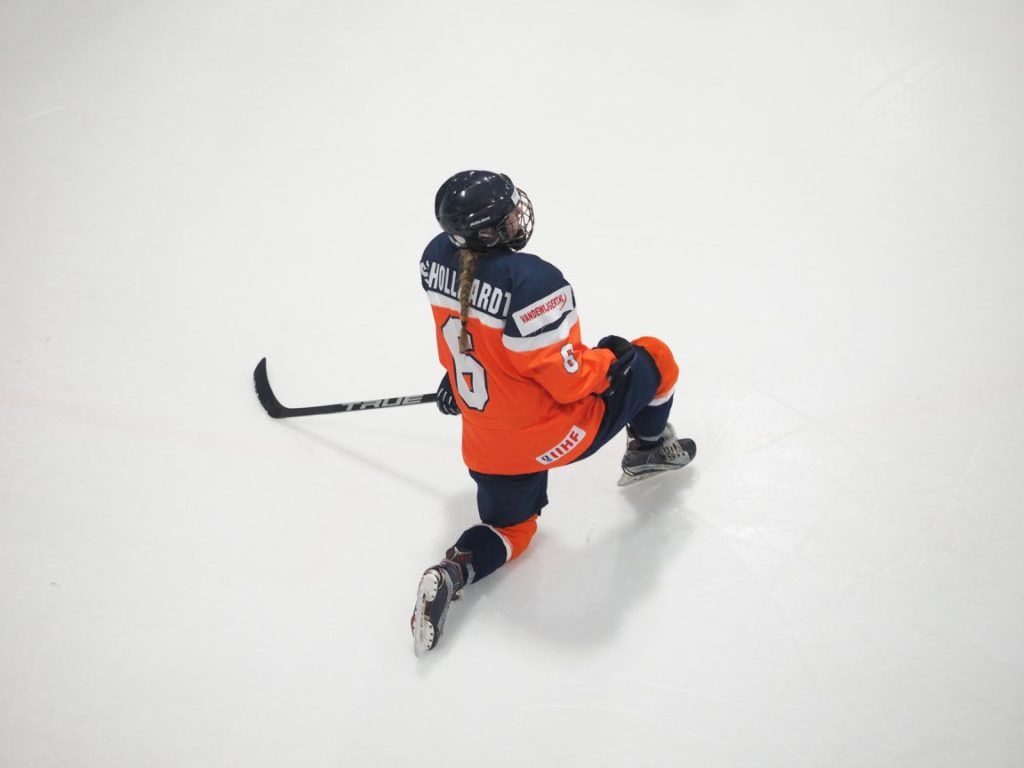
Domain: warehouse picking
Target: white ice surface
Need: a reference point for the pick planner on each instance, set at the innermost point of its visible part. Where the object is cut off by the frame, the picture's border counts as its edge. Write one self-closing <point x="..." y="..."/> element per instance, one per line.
<point x="817" y="204"/>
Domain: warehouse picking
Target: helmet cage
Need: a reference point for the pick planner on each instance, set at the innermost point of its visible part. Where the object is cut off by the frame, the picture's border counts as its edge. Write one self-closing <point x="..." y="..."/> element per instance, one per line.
<point x="513" y="231"/>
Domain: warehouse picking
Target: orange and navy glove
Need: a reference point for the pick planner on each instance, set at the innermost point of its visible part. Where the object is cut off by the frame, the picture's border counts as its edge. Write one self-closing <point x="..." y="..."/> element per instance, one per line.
<point x="625" y="356"/>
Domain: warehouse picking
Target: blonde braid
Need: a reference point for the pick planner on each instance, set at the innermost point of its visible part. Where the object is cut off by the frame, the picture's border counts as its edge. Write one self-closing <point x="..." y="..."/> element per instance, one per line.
<point x="467" y="259"/>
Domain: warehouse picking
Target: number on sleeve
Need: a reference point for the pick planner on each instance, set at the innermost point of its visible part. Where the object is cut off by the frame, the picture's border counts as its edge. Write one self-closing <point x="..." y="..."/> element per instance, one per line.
<point x="568" y="360"/>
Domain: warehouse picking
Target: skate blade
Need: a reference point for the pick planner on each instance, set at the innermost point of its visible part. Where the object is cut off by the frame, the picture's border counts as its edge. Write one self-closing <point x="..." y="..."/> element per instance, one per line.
<point x="423" y="633"/>
<point x="628" y="479"/>
<point x="634" y="479"/>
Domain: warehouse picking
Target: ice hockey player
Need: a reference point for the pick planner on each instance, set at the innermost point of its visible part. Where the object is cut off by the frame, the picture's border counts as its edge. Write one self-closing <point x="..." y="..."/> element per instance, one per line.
<point x="531" y="394"/>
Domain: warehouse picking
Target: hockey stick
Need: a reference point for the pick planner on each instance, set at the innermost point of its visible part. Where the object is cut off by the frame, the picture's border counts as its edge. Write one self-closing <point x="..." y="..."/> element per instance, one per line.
<point x="277" y="411"/>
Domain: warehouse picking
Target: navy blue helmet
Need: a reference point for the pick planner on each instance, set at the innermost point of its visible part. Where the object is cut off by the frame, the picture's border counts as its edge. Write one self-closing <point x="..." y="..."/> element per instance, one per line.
<point x="482" y="211"/>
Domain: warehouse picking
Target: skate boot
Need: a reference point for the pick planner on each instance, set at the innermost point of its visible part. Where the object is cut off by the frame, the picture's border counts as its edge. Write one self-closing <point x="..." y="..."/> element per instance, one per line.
<point x="641" y="463"/>
<point x="439" y="585"/>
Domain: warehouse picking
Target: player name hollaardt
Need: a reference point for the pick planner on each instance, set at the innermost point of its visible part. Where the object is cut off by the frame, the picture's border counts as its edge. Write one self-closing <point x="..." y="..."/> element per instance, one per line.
<point x="482" y="295"/>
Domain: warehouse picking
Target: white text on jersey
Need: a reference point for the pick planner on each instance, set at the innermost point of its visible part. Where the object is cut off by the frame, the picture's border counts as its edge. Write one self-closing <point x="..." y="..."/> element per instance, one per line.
<point x="482" y="296"/>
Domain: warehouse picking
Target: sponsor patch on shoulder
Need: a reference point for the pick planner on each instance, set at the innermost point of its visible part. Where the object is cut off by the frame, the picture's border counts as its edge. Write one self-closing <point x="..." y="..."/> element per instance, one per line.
<point x="544" y="311"/>
<point x="568" y="444"/>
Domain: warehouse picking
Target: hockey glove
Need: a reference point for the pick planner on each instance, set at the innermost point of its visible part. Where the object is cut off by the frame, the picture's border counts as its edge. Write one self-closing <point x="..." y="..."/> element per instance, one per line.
<point x="625" y="356"/>
<point x="445" y="399"/>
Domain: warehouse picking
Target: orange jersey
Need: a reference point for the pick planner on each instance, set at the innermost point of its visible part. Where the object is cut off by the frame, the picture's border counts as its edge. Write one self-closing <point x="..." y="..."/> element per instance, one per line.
<point x="527" y="386"/>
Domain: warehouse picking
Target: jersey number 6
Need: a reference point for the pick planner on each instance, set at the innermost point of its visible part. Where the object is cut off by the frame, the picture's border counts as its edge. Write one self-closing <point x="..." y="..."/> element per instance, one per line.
<point x="569" y="359"/>
<point x="470" y="376"/>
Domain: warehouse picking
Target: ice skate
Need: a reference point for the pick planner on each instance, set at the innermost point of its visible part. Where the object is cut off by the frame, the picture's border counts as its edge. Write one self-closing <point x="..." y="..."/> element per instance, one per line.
<point x="438" y="586"/>
<point x="642" y="463"/>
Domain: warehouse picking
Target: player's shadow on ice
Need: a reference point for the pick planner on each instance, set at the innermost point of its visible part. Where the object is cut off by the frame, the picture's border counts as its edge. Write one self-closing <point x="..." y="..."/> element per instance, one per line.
<point x="572" y="596"/>
<point x="579" y="596"/>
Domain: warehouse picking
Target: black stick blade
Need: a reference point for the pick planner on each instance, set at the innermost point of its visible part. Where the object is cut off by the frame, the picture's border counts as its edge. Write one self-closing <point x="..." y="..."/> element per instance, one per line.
<point x="263" y="391"/>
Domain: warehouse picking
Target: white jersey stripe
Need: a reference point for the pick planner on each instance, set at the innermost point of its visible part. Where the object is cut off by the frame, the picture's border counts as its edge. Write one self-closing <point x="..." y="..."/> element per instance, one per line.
<point x="546" y="339"/>
<point x="544" y="311"/>
<point x="663" y="398"/>
<point x="447" y="302"/>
